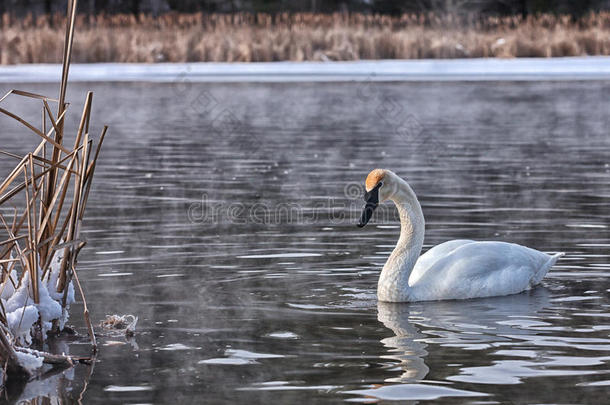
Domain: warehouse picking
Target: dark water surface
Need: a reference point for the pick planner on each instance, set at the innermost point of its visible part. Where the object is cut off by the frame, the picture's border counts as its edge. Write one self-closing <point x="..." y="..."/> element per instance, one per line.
<point x="223" y="216"/>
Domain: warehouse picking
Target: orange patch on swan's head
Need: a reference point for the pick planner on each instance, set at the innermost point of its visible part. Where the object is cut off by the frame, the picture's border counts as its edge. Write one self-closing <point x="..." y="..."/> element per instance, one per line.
<point x="373" y="178"/>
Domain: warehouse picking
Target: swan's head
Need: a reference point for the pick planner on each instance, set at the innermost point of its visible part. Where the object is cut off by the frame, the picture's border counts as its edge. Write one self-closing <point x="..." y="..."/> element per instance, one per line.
<point x="380" y="186"/>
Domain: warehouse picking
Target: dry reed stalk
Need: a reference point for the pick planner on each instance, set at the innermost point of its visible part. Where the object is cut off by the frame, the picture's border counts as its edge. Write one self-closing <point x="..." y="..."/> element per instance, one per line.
<point x="51" y="218"/>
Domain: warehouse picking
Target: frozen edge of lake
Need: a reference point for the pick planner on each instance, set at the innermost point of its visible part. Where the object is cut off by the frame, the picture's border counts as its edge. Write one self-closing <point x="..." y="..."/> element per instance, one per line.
<point x="488" y="69"/>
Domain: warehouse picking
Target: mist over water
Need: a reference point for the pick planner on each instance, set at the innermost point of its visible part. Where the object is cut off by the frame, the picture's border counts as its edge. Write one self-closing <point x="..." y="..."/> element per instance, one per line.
<point x="224" y="216"/>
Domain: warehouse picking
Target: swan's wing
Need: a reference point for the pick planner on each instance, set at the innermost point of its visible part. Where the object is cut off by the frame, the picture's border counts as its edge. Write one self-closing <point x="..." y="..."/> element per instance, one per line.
<point x="436" y="253"/>
<point x="480" y="269"/>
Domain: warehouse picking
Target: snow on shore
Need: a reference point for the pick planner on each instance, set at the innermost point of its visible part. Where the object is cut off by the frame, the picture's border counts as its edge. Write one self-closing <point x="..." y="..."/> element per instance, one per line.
<point x="578" y="68"/>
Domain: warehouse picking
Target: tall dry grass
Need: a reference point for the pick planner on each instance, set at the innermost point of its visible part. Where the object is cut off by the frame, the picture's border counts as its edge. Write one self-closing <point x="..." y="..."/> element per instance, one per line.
<point x="300" y="37"/>
<point x="40" y="236"/>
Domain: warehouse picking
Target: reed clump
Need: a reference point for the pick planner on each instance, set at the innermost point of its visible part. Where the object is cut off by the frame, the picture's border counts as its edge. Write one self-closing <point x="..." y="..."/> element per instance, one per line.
<point x="302" y="37"/>
<point x="42" y="205"/>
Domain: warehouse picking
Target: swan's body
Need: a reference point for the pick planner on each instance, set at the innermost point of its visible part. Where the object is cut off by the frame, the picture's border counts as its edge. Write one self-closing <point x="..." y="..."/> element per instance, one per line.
<point x="457" y="269"/>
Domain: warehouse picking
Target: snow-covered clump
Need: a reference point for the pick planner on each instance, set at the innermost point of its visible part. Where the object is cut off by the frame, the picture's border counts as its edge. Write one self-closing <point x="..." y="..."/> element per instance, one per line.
<point x="20" y="322"/>
<point x="59" y="296"/>
<point x="21" y="310"/>
<point x="30" y="360"/>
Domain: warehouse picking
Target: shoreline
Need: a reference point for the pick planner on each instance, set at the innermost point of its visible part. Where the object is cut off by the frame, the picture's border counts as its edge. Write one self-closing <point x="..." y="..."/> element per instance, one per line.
<point x="483" y="69"/>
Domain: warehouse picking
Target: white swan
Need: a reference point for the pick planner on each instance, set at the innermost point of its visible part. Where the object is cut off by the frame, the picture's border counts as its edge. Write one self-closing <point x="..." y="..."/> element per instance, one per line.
<point x="457" y="269"/>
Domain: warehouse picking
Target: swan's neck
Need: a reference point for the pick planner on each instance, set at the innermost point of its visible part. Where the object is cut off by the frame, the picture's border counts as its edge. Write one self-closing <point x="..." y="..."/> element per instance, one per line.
<point x="394" y="279"/>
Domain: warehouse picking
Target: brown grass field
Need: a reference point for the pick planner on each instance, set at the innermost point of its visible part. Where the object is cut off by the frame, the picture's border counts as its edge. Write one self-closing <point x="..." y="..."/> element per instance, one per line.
<point x="300" y="37"/>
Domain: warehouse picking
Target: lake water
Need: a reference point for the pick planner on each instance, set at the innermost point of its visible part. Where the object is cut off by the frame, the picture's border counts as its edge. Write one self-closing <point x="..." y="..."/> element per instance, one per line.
<point x="223" y="216"/>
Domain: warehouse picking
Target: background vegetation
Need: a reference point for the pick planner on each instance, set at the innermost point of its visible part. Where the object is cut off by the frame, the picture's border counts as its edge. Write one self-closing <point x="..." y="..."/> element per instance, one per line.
<point x="301" y="37"/>
<point x="493" y="7"/>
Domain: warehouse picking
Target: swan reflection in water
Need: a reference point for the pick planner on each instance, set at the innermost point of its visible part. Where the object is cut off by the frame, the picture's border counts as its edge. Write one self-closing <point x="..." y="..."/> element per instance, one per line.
<point x="472" y="324"/>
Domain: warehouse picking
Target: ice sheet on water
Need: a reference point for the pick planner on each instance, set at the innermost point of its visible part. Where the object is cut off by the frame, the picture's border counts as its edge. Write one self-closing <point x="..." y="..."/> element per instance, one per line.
<point x="474" y="69"/>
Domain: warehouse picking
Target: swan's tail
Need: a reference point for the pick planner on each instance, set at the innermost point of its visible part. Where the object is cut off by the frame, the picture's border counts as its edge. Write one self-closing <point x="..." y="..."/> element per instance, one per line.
<point x="545" y="268"/>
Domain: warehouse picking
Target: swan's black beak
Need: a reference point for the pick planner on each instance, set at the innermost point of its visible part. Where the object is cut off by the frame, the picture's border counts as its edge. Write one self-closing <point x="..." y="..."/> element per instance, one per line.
<point x="372" y="201"/>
